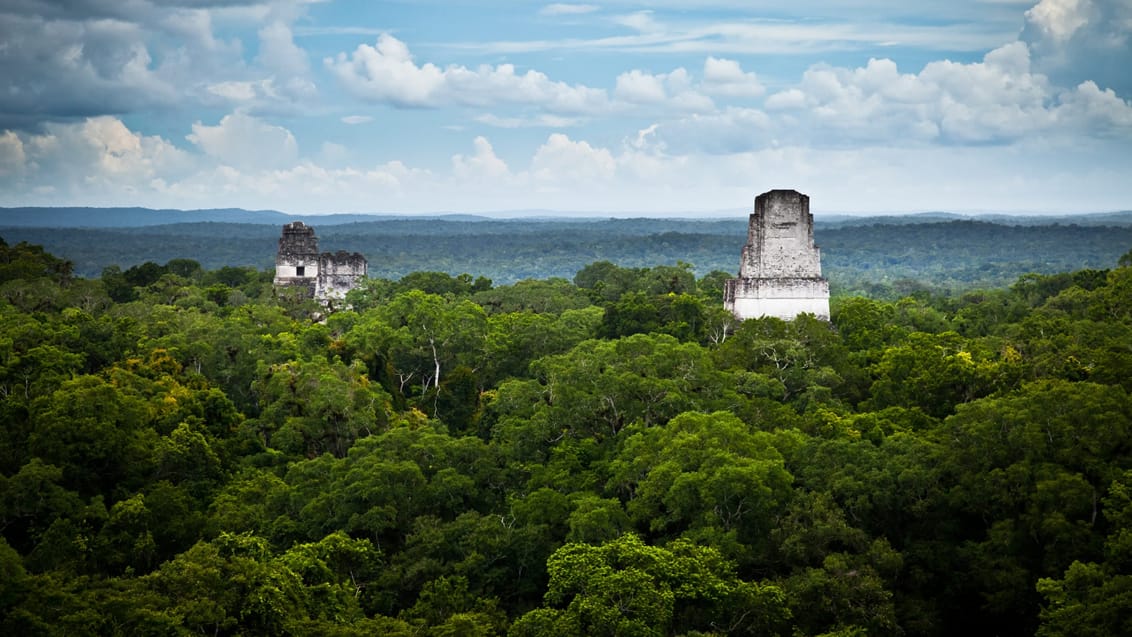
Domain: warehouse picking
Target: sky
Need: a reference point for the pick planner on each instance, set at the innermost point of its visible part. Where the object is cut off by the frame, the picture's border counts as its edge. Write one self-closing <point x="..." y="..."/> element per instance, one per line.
<point x="614" y="107"/>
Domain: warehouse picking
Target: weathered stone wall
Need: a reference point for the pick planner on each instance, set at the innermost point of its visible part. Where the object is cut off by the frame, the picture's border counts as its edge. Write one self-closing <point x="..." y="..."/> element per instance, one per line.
<point x="780" y="238"/>
<point x="780" y="267"/>
<point x="781" y="298"/>
<point x="297" y="262"/>
<point x="339" y="273"/>
<point x="323" y="276"/>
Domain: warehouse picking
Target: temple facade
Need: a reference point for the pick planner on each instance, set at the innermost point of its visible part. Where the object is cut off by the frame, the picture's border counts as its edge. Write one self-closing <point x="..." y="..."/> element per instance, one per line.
<point x="322" y="276"/>
<point x="780" y="267"/>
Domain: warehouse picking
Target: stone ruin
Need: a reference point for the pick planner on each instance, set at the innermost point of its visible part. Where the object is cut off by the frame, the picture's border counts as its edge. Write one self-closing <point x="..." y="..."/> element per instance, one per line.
<point x="325" y="276"/>
<point x="780" y="268"/>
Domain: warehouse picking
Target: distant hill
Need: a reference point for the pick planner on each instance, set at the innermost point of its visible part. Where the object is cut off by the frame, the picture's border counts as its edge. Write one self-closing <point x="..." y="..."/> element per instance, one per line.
<point x="149" y="217"/>
<point x="1122" y="218"/>
<point x="129" y="217"/>
<point x="146" y="217"/>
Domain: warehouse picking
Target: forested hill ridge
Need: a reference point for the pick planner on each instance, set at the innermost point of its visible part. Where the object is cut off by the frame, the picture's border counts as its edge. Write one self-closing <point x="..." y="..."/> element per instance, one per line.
<point x="88" y="217"/>
<point x="108" y="217"/>
<point x="885" y="256"/>
<point x="185" y="451"/>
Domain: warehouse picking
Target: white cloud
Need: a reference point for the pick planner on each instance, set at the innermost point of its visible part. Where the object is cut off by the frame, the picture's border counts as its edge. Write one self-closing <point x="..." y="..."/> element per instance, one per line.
<point x="560" y="8"/>
<point x="1073" y="41"/>
<point x="68" y="68"/>
<point x="732" y="130"/>
<point x="668" y="90"/>
<point x="246" y="142"/>
<point x="561" y="162"/>
<point x="278" y="52"/>
<point x="641" y="21"/>
<point x="484" y="164"/>
<point x="1092" y="110"/>
<point x="288" y="63"/>
<point x="249" y="94"/>
<point x="97" y="157"/>
<point x="195" y="29"/>
<point x="726" y="77"/>
<point x="101" y="162"/>
<point x="238" y="92"/>
<point x="639" y="87"/>
<point x="1059" y="19"/>
<point x="387" y="73"/>
<point x="12" y="156"/>
<point x="354" y="120"/>
<point x="791" y="98"/>
<point x="998" y="100"/>
<point x="63" y="60"/>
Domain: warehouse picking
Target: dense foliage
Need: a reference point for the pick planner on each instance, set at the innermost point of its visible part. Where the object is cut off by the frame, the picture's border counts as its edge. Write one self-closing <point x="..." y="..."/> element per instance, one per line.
<point x="186" y="451"/>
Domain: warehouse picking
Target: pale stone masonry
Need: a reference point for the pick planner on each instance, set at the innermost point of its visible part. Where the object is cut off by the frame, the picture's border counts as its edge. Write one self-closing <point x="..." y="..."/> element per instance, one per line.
<point x="323" y="276"/>
<point x="780" y="269"/>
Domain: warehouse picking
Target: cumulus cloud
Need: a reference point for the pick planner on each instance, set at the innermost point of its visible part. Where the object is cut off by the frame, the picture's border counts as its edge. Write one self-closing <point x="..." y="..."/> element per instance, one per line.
<point x="118" y="9"/>
<point x="562" y="161"/>
<point x="288" y="63"/>
<point x="102" y="162"/>
<point x="246" y="142"/>
<point x="998" y="100"/>
<point x="266" y="94"/>
<point x="278" y="52"/>
<point x="483" y="164"/>
<point x="386" y="73"/>
<point x="671" y="90"/>
<point x="96" y="57"/>
<point x="67" y="68"/>
<point x="110" y="150"/>
<point x="732" y="130"/>
<point x="1059" y="19"/>
<point x="1077" y="40"/>
<point x="12" y="157"/>
<point x="96" y="156"/>
<point x="1096" y="111"/>
<point x="640" y="87"/>
<point x="726" y="77"/>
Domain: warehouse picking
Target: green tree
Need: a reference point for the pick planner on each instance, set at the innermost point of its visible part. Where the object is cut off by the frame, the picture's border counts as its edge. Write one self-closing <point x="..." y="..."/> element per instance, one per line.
<point x="704" y="476"/>
<point x="625" y="587"/>
<point x="1094" y="599"/>
<point x="314" y="406"/>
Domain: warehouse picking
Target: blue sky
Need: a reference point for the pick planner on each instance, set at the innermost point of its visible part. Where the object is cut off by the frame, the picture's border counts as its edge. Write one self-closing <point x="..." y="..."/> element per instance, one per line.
<point x="618" y="107"/>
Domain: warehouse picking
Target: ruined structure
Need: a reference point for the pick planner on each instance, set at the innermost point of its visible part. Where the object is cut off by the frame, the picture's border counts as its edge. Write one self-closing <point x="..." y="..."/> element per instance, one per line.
<point x="780" y="270"/>
<point x="323" y="276"/>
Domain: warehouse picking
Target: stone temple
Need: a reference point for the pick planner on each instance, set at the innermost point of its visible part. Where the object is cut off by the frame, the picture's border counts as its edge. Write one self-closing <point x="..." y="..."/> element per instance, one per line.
<point x="780" y="270"/>
<point x="322" y="276"/>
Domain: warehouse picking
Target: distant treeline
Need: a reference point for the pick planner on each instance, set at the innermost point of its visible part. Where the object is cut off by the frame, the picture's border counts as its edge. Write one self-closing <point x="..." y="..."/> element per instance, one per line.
<point x="894" y="256"/>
